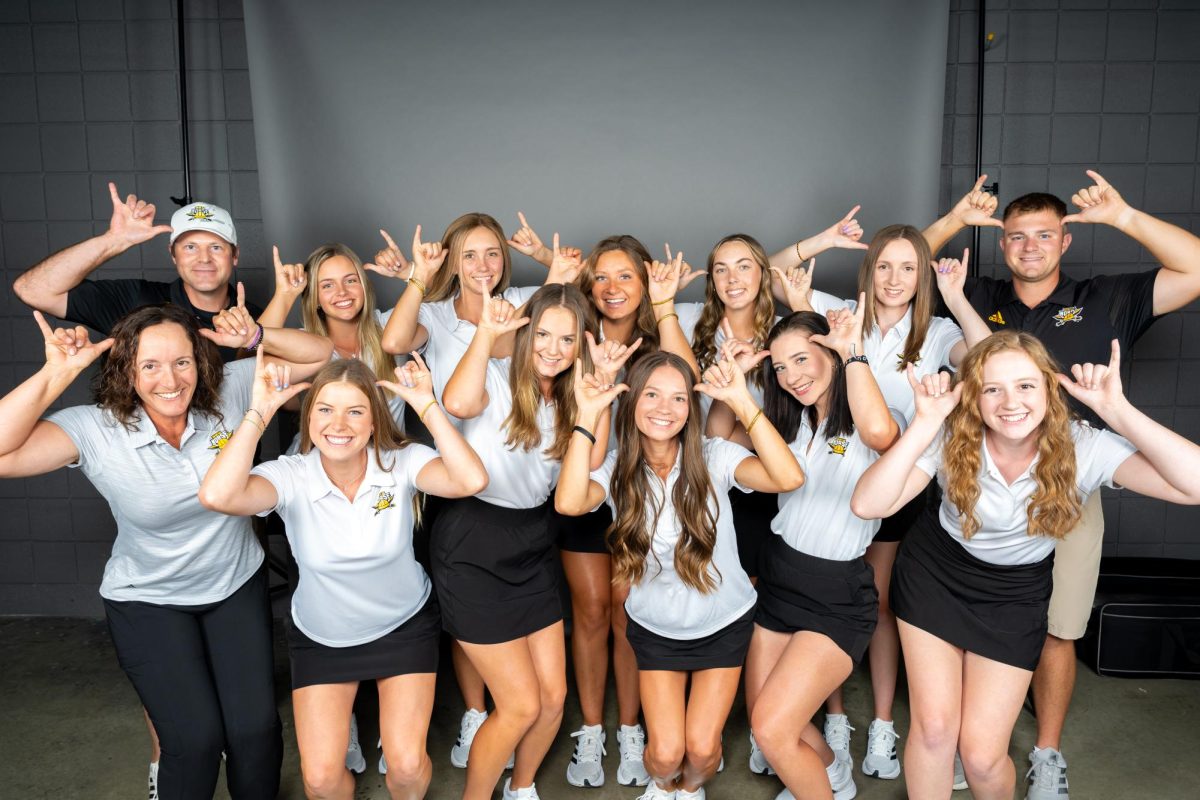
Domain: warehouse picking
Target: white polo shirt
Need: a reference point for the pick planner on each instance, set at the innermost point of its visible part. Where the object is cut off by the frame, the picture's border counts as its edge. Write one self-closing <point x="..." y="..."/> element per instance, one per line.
<point x="449" y="337"/>
<point x="816" y="518"/>
<point x="517" y="478"/>
<point x="661" y="602"/>
<point x="359" y="578"/>
<point x="169" y="549"/>
<point x="884" y="351"/>
<point x="1003" y="537"/>
<point x="689" y="318"/>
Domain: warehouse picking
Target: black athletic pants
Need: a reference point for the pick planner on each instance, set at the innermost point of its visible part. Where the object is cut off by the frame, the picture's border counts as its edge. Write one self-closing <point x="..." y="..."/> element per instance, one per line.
<point x="206" y="676"/>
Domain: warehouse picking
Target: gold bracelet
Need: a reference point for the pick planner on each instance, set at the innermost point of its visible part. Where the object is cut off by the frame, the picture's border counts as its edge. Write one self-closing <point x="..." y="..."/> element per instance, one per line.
<point x="421" y="416"/>
<point x="664" y="302"/>
<point x="261" y="429"/>
<point x="751" y="425"/>
<point x="667" y="316"/>
<point x="258" y="413"/>
<point x="415" y="281"/>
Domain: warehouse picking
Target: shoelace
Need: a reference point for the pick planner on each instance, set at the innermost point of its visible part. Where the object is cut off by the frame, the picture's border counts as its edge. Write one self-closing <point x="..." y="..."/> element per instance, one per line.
<point x="633" y="745"/>
<point x="882" y="742"/>
<point x="1049" y="772"/>
<point x="588" y="748"/>
<point x="470" y="724"/>
<point x="838" y="736"/>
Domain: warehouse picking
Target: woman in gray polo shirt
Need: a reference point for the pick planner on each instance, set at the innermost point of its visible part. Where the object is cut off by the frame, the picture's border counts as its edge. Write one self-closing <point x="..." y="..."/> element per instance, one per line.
<point x="184" y="591"/>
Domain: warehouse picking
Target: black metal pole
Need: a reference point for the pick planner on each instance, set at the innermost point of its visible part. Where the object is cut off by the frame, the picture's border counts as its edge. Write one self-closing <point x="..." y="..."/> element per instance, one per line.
<point x="186" y="199"/>
<point x="980" y="41"/>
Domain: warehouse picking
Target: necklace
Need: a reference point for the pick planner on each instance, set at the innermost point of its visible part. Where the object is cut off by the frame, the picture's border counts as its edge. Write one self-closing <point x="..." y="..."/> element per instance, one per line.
<point x="351" y="482"/>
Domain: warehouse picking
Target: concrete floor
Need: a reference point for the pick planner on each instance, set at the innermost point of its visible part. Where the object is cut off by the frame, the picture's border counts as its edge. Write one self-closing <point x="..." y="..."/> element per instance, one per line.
<point x="72" y="729"/>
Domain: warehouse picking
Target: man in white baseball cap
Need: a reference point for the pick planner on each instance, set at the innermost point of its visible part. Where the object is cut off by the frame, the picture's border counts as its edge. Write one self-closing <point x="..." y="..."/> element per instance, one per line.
<point x="203" y="246"/>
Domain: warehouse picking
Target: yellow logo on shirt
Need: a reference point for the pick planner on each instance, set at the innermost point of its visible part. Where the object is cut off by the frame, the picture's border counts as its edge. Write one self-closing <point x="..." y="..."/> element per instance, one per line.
<point x="383" y="502"/>
<point x="201" y="213"/>
<point x="997" y="318"/>
<point x="837" y="446"/>
<point x="1068" y="314"/>
<point x="218" y="440"/>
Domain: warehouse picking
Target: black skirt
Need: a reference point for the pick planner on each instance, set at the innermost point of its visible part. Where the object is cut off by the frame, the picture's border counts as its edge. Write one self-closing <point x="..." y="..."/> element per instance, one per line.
<point x="494" y="570"/>
<point x="723" y="649"/>
<point x="582" y="534"/>
<point x="893" y="528"/>
<point x="992" y="610"/>
<point x="752" y="515"/>
<point x="409" y="649"/>
<point x="799" y="592"/>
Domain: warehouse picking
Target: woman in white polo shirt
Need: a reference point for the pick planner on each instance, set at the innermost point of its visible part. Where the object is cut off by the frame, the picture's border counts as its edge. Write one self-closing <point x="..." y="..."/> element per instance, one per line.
<point x="817" y="599"/>
<point x="185" y="591"/>
<point x="690" y="605"/>
<point x="972" y="582"/>
<point x="363" y="608"/>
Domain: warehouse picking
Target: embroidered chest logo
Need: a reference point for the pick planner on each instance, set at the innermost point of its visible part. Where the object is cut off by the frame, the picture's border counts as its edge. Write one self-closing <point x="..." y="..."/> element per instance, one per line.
<point x="218" y="440"/>
<point x="200" y="214"/>
<point x="837" y="446"/>
<point x="383" y="502"/>
<point x="1068" y="314"/>
<point x="997" y="318"/>
<point x="903" y="361"/>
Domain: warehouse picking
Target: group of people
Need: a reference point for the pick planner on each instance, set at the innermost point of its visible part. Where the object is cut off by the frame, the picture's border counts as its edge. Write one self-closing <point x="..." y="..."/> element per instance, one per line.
<point x="765" y="486"/>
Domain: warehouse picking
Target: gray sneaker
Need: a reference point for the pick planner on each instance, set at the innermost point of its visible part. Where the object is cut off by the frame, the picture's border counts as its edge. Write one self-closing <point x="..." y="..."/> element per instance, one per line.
<point x="880" y="760"/>
<point x="837" y="736"/>
<point x="631" y="740"/>
<point x="1047" y="777"/>
<point x="960" y="774"/>
<point x="758" y="760"/>
<point x="585" y="768"/>
<point x="354" y="754"/>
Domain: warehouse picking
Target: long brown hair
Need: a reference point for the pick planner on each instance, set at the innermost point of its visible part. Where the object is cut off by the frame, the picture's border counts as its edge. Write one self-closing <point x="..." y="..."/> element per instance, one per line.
<point x="637" y="507"/>
<point x="923" y="300"/>
<point x="445" y="283"/>
<point x="785" y="411"/>
<point x="386" y="434"/>
<point x="645" y="325"/>
<point x="1054" y="508"/>
<point x="521" y="423"/>
<point x="113" y="386"/>
<point x="370" y="334"/>
<point x="704" y="340"/>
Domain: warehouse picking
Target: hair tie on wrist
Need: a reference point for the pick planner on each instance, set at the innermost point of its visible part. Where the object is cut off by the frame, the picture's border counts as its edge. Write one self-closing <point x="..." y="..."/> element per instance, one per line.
<point x="257" y="340"/>
<point x="579" y="429"/>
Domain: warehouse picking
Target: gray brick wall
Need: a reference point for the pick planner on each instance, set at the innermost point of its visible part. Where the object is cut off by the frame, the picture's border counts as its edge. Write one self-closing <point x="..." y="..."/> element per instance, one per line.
<point x="89" y="94"/>
<point x="1114" y="86"/>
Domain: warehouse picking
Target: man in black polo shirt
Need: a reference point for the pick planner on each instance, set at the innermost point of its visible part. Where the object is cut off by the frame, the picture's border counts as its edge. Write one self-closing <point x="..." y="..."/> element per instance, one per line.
<point x="203" y="246"/>
<point x="1077" y="321"/>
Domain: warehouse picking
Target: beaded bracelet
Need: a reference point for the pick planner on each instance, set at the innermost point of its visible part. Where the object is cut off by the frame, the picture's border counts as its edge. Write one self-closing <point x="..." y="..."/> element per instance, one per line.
<point x="257" y="340"/>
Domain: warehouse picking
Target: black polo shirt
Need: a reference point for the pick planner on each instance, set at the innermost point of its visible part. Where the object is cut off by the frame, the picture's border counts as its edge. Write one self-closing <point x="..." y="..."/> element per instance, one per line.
<point x="100" y="304"/>
<point x="1078" y="321"/>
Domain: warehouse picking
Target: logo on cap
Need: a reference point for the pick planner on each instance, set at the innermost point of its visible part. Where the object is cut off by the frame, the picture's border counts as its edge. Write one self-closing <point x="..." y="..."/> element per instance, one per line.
<point x="200" y="214"/>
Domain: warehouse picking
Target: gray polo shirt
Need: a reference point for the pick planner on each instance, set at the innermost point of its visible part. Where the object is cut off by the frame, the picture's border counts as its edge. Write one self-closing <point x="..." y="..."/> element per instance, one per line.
<point x="169" y="550"/>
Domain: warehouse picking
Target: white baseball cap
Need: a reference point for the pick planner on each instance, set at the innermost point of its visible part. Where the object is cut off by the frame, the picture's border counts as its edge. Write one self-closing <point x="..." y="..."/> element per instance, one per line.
<point x="203" y="217"/>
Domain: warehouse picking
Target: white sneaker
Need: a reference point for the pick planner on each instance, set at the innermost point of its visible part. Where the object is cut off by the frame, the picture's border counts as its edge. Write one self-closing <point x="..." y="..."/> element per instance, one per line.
<point x="758" y="761"/>
<point x="881" y="760"/>
<point x="837" y="736"/>
<point x="528" y="793"/>
<point x="354" y="756"/>
<point x="382" y="759"/>
<point x="655" y="792"/>
<point x="585" y="768"/>
<point x="683" y="794"/>
<point x="152" y="780"/>
<point x="960" y="774"/>
<point x="841" y="778"/>
<point x="631" y="740"/>
<point x="466" y="734"/>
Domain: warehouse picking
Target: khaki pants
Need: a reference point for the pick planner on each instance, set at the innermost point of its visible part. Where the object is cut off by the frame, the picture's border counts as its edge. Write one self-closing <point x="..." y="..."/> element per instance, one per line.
<point x="1076" y="569"/>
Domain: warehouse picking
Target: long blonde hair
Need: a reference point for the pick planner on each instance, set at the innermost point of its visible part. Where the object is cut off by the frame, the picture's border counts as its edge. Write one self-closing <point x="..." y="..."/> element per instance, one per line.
<point x="704" y="339"/>
<point x="521" y="423"/>
<point x="369" y="333"/>
<point x="445" y="283"/>
<point x="1055" y="507"/>
<point x="923" y="300"/>
<point x="637" y="510"/>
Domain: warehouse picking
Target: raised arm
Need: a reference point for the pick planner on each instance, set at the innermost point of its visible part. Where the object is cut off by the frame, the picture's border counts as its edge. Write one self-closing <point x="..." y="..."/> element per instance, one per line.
<point x="666" y="280"/>
<point x="403" y="333"/>
<point x="576" y="492"/>
<point x="976" y="208"/>
<point x="30" y="445"/>
<point x="773" y="468"/>
<point x="1167" y="465"/>
<point x="228" y="486"/>
<point x="290" y="280"/>
<point x="236" y="328"/>
<point x="872" y="419"/>
<point x="526" y="241"/>
<point x="1178" y="283"/>
<point x="951" y="276"/>
<point x="466" y="393"/>
<point x="845" y="233"/>
<point x="894" y="478"/>
<point x="794" y="285"/>
<point x="457" y="471"/>
<point x="45" y="285"/>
